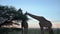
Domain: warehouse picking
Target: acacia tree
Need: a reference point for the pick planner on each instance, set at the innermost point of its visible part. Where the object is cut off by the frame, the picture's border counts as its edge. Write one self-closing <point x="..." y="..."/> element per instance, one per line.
<point x="8" y="12"/>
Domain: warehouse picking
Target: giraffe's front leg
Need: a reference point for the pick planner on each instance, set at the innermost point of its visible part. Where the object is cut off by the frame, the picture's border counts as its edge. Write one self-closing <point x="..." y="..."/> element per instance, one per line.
<point x="50" y="30"/>
<point x="42" y="30"/>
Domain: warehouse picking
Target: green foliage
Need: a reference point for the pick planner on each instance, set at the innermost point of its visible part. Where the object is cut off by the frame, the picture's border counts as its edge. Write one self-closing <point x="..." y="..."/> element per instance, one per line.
<point x="18" y="31"/>
<point x="10" y="30"/>
<point x="9" y="10"/>
<point x="4" y="10"/>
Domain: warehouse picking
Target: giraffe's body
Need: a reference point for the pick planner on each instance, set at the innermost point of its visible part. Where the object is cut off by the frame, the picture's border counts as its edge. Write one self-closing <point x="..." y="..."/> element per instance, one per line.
<point x="42" y="22"/>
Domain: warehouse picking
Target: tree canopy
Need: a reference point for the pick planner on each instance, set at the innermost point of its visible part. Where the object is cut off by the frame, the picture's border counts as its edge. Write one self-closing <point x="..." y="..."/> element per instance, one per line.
<point x="9" y="12"/>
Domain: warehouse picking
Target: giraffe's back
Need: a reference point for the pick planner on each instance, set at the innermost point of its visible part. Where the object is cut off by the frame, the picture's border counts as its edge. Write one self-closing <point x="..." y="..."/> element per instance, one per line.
<point x="45" y="24"/>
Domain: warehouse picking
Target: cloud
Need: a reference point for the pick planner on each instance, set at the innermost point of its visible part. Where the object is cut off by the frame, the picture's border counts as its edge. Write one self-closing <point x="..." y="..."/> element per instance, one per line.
<point x="35" y="24"/>
<point x="56" y="25"/>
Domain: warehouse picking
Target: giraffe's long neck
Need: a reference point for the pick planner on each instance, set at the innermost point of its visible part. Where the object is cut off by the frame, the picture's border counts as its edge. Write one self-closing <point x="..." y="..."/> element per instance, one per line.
<point x="34" y="16"/>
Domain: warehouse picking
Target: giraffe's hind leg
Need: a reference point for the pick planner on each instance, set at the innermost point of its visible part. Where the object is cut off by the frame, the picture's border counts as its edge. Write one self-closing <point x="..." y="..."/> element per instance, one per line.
<point x="50" y="30"/>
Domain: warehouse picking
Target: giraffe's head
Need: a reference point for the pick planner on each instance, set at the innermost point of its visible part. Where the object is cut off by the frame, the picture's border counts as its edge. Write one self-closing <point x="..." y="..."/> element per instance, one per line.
<point x="26" y="13"/>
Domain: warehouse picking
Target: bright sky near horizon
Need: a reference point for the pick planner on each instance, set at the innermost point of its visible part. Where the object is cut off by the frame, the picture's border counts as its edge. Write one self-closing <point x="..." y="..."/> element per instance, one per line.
<point x="50" y="9"/>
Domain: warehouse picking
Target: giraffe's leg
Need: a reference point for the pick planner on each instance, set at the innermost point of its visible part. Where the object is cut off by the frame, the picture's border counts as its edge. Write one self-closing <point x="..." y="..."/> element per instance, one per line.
<point x="26" y="29"/>
<point x="42" y="30"/>
<point x="50" y="30"/>
<point x="22" y="30"/>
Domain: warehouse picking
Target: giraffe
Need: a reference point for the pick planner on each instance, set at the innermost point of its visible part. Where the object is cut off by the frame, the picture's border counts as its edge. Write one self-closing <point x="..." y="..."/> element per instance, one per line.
<point x="25" y="26"/>
<point x="24" y="23"/>
<point x="42" y="23"/>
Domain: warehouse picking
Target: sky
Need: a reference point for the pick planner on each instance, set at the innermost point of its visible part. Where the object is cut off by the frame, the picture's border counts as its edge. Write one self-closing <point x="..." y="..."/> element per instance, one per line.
<point x="50" y="9"/>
